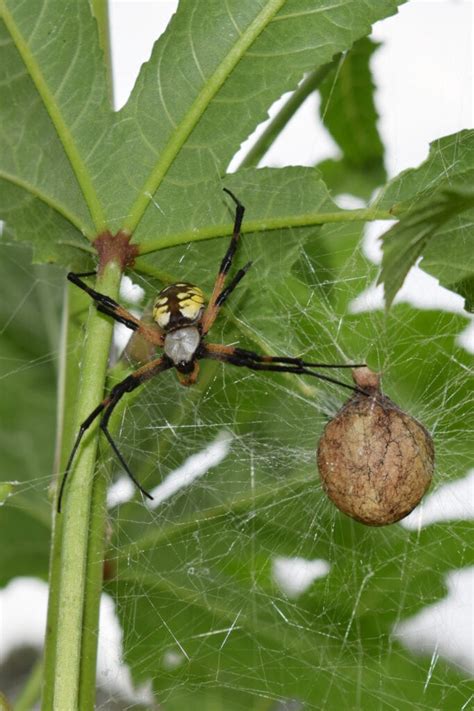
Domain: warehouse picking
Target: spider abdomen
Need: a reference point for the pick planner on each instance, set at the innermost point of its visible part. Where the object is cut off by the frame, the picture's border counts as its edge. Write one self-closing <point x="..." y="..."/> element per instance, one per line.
<point x="178" y="305"/>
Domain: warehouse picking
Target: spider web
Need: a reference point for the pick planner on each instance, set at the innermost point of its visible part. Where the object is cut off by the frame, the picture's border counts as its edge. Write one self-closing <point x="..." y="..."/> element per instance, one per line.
<point x="242" y="570"/>
<point x="242" y="586"/>
<point x="242" y="567"/>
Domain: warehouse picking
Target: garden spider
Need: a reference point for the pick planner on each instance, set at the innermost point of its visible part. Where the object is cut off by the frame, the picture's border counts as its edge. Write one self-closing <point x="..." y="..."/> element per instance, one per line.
<point x="181" y="324"/>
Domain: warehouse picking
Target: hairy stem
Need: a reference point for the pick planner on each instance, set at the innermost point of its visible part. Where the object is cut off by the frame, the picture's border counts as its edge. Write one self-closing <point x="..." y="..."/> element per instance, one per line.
<point x="76" y="569"/>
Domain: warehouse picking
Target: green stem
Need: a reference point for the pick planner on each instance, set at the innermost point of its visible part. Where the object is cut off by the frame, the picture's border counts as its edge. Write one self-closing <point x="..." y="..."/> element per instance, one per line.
<point x="100" y="10"/>
<point x="76" y="572"/>
<point x="287" y="111"/>
<point x="260" y="225"/>
<point x="71" y="328"/>
<point x="93" y="590"/>
<point x="31" y="691"/>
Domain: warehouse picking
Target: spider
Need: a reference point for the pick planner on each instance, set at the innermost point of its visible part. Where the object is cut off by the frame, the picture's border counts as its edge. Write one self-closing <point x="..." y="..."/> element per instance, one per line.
<point x="181" y="324"/>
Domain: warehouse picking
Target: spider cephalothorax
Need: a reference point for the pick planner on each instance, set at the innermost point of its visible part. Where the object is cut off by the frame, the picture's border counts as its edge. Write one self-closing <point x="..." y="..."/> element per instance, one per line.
<point x="181" y="323"/>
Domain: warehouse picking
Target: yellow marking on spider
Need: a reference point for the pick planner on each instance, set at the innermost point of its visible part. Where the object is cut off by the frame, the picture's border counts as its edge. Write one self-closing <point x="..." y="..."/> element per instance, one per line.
<point x="161" y="314"/>
<point x="192" y="292"/>
<point x="189" y="309"/>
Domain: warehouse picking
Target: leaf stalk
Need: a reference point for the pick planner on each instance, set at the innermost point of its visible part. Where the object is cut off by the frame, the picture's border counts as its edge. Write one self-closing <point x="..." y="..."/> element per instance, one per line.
<point x="262" y="225"/>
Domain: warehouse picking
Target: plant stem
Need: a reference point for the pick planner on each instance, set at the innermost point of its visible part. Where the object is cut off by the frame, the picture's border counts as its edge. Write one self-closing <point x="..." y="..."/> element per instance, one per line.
<point x="74" y="305"/>
<point x="309" y="84"/>
<point x="32" y="689"/>
<point x="76" y="570"/>
<point x="100" y="10"/>
<point x="268" y="223"/>
<point x="93" y="590"/>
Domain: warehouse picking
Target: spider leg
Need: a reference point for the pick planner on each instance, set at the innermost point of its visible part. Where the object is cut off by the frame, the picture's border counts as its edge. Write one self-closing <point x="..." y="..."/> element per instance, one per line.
<point x="235" y="280"/>
<point x="83" y="428"/>
<point x="259" y="358"/>
<point x="131" y="382"/>
<point x="110" y="307"/>
<point x="213" y="307"/>
<point x="254" y="361"/>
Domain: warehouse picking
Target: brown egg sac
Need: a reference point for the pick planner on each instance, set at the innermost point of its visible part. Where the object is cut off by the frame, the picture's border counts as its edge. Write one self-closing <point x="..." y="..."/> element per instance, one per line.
<point x="375" y="461"/>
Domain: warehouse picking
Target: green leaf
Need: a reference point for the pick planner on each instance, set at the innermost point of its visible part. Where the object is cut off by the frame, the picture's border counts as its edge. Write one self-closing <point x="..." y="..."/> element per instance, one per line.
<point x="30" y="327"/>
<point x="342" y="177"/>
<point x="449" y="257"/>
<point x="210" y="80"/>
<point x="200" y="606"/>
<point x="286" y="112"/>
<point x="6" y="489"/>
<point x="225" y="87"/>
<point x="201" y="564"/>
<point x="274" y="200"/>
<point x="55" y="107"/>
<point x="348" y="109"/>
<point x="407" y="240"/>
<point x="435" y="204"/>
<point x="422" y="364"/>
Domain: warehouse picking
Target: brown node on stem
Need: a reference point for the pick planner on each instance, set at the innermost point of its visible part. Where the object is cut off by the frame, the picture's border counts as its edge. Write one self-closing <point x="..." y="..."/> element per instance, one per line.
<point x="375" y="461"/>
<point x="115" y="248"/>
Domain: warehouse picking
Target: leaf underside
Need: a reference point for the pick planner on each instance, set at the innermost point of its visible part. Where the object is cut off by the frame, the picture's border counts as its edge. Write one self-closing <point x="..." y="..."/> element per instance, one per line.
<point x="435" y="203"/>
<point x="202" y="614"/>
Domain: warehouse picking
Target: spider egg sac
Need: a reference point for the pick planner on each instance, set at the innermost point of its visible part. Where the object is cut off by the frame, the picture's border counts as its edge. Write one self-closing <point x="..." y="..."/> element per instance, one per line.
<point x="375" y="461"/>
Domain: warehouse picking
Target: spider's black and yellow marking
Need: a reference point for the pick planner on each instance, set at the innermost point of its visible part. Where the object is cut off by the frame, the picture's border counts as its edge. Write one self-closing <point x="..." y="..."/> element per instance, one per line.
<point x="181" y="322"/>
<point x="178" y="305"/>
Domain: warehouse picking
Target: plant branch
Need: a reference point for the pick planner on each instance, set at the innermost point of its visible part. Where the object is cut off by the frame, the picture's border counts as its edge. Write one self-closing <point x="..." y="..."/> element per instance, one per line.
<point x="261" y="225"/>
<point x="100" y="10"/>
<point x="67" y="386"/>
<point x="93" y="591"/>
<point x="31" y="692"/>
<point x="309" y="84"/>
